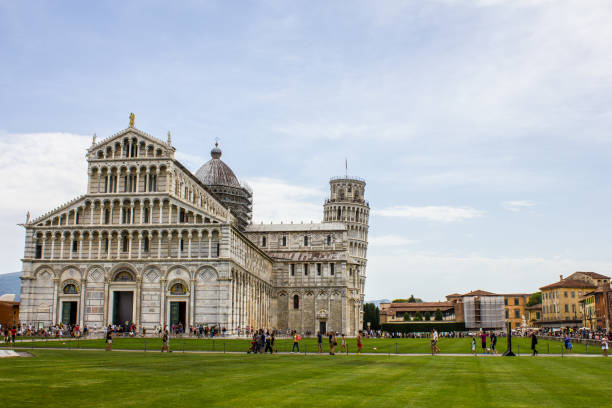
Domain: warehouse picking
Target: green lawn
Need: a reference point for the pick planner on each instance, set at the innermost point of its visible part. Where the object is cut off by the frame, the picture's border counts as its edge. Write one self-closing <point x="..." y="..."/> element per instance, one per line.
<point x="309" y="345"/>
<point x="120" y="379"/>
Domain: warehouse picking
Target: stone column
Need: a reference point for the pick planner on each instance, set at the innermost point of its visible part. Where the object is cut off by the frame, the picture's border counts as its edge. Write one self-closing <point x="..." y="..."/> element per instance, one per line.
<point x="162" y="309"/>
<point x="92" y="208"/>
<point x="119" y="239"/>
<point x="192" y="296"/>
<point x="44" y="242"/>
<point x="99" y="245"/>
<point x="159" y="242"/>
<point x="90" y="245"/>
<point x="161" y="211"/>
<point x="329" y="315"/>
<point x="129" y="237"/>
<point x="62" y="239"/>
<point x="52" y="245"/>
<point x="138" y="301"/>
<point x="169" y="213"/>
<point x="189" y="245"/>
<point x="80" y="248"/>
<point x="112" y="208"/>
<point x="82" y="302"/>
<point x="55" y="299"/>
<point x="139" y="244"/>
<point x="209" y="244"/>
<point x="109" y="247"/>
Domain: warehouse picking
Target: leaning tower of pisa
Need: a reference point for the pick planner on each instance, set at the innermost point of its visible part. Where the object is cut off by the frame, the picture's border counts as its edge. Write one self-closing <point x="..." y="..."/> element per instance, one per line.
<point x="347" y="204"/>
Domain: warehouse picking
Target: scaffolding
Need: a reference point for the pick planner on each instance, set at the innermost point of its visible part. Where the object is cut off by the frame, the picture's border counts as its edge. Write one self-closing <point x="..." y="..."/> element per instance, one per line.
<point x="484" y="312"/>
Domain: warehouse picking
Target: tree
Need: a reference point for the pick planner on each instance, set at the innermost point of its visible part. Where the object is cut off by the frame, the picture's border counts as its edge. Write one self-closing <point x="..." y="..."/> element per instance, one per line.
<point x="438" y="315"/>
<point x="427" y="316"/>
<point x="411" y="299"/>
<point x="371" y="313"/>
<point x="418" y="317"/>
<point x="406" y="317"/>
<point x="535" y="299"/>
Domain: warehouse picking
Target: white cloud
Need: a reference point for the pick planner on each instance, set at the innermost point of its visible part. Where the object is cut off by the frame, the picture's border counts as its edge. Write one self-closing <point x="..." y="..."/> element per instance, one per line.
<point x="516" y="206"/>
<point x="430" y="213"/>
<point x="40" y="171"/>
<point x="275" y="200"/>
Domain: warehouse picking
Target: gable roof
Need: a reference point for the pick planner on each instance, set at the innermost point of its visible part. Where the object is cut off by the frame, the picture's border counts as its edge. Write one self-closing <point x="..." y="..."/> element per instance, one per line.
<point x="593" y="275"/>
<point x="125" y="131"/>
<point x="569" y="283"/>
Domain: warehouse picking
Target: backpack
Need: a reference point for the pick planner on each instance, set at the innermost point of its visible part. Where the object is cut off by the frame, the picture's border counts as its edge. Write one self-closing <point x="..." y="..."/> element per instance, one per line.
<point x="298" y="337"/>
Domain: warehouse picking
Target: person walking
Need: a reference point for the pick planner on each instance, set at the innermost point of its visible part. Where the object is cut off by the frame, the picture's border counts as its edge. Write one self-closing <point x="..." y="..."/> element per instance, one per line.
<point x="474" y="345"/>
<point x="296" y="342"/>
<point x="343" y="344"/>
<point x="534" y="342"/>
<point x="268" y="343"/>
<point x="320" y="342"/>
<point x="359" y="344"/>
<point x="109" y="339"/>
<point x="493" y="342"/>
<point x="483" y="341"/>
<point x="434" y="342"/>
<point x="165" y="341"/>
<point x="333" y="342"/>
<point x="604" y="345"/>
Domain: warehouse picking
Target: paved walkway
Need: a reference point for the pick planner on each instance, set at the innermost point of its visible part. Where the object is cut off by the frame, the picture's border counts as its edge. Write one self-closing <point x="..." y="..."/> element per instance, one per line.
<point x="309" y="354"/>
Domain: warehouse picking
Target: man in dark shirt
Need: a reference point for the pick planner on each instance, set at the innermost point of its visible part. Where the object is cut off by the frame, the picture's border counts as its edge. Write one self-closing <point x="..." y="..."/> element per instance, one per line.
<point x="320" y="341"/>
<point x="483" y="339"/>
<point x="109" y="339"/>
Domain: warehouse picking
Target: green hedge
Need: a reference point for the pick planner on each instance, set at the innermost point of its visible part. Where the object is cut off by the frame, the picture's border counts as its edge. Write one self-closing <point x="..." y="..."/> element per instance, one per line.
<point x="423" y="327"/>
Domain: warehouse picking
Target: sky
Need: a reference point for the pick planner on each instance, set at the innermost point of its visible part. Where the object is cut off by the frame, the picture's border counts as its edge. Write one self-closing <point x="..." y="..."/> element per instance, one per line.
<point x="482" y="128"/>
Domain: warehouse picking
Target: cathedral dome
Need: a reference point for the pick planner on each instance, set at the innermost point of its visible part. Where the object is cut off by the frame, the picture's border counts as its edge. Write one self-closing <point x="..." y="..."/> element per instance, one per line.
<point x="215" y="172"/>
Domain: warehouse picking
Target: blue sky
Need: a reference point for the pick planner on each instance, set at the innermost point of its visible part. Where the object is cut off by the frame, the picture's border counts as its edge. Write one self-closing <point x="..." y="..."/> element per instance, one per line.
<point x="482" y="127"/>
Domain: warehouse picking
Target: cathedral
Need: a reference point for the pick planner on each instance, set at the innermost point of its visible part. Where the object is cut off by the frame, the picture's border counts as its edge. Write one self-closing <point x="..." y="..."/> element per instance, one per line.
<point x="153" y="244"/>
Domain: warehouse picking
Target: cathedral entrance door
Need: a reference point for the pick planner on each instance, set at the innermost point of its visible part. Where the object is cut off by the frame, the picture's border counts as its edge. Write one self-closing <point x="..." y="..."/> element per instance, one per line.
<point x="69" y="312"/>
<point x="323" y="327"/>
<point x="178" y="313"/>
<point x="123" y="302"/>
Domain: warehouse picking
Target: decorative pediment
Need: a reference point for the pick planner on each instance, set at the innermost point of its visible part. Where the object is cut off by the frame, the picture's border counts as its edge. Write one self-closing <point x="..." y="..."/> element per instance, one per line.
<point x="120" y="145"/>
<point x="72" y="204"/>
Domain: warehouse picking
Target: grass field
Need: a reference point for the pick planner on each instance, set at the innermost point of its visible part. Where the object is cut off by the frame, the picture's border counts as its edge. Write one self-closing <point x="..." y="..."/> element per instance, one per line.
<point x="128" y="379"/>
<point x="401" y="346"/>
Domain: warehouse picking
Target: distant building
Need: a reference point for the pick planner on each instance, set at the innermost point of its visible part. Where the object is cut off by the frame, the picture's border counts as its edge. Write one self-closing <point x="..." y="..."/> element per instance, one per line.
<point x="9" y="311"/>
<point x="596" y="308"/>
<point x="513" y="305"/>
<point x="402" y="312"/>
<point x="561" y="301"/>
<point x="533" y="315"/>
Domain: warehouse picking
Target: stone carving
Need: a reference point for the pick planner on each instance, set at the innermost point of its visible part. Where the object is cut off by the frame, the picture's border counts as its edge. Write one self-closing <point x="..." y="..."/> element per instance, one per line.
<point x="96" y="275"/>
<point x="152" y="276"/>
